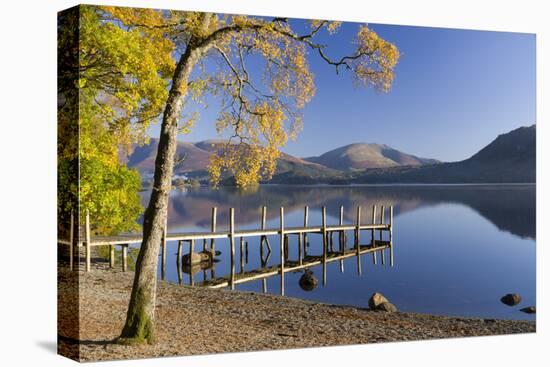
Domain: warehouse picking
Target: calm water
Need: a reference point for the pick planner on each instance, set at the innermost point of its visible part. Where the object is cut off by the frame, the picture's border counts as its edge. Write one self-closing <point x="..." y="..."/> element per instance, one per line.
<point x="457" y="248"/>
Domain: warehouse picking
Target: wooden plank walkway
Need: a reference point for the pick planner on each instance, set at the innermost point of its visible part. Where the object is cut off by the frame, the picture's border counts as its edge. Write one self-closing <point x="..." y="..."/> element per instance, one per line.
<point x="187" y="236"/>
<point x="327" y="232"/>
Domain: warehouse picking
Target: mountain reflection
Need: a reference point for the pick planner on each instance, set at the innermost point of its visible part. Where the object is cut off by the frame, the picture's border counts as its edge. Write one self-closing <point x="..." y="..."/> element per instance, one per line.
<point x="510" y="208"/>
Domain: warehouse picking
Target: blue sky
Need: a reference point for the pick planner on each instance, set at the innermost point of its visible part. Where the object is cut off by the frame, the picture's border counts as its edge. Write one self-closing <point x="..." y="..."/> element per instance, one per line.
<point x="454" y="92"/>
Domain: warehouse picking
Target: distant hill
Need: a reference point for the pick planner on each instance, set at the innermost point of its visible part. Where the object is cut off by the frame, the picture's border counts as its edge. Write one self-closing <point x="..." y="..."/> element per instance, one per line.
<point x="511" y="157"/>
<point x="361" y="156"/>
<point x="197" y="156"/>
<point x="143" y="157"/>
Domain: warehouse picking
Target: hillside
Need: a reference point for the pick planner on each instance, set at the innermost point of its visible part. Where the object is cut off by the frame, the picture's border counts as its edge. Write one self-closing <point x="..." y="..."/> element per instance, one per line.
<point x="143" y="157"/>
<point x="197" y="156"/>
<point x="511" y="157"/>
<point x="361" y="156"/>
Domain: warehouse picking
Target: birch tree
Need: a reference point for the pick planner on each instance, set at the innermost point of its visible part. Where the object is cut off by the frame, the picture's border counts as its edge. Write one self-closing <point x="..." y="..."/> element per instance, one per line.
<point x="261" y="109"/>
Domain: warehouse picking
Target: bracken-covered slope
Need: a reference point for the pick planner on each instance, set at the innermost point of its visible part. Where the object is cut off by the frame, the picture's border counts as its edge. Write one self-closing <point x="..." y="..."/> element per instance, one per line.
<point x="368" y="155"/>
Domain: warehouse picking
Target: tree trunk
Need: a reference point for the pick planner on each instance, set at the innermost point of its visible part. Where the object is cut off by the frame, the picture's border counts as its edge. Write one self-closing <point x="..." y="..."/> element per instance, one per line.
<point x="139" y="326"/>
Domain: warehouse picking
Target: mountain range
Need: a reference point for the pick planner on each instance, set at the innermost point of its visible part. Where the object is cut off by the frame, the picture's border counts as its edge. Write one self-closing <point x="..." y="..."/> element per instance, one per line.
<point x="509" y="158"/>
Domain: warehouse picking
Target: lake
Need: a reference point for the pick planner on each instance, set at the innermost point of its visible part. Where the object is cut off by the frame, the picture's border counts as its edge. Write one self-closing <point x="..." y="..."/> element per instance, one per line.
<point x="457" y="248"/>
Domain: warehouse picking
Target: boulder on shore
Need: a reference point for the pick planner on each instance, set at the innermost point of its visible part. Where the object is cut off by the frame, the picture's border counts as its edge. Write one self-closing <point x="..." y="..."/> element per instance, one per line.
<point x="378" y="302"/>
<point x="386" y="307"/>
<point x="511" y="299"/>
<point x="530" y="309"/>
<point x="376" y="299"/>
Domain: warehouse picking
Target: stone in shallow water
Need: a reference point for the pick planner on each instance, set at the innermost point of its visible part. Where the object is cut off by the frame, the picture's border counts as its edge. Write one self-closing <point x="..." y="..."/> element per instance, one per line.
<point x="511" y="299"/>
<point x="530" y="309"/>
<point x="196" y="258"/>
<point x="308" y="282"/>
<point x="376" y="299"/>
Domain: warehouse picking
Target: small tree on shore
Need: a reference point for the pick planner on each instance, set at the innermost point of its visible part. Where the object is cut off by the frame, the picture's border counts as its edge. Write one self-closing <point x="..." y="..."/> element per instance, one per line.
<point x="212" y="54"/>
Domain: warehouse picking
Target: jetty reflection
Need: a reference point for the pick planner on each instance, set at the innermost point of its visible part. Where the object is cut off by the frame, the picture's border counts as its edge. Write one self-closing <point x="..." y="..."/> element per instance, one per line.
<point x="210" y="280"/>
<point x="307" y="257"/>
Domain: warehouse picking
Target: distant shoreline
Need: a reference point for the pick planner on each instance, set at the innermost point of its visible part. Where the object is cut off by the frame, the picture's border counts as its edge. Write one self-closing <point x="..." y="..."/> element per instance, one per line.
<point x="373" y="185"/>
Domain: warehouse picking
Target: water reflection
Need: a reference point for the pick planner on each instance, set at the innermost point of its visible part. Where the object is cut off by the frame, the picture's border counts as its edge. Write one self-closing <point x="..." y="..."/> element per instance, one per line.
<point x="510" y="208"/>
<point x="459" y="248"/>
<point x="206" y="261"/>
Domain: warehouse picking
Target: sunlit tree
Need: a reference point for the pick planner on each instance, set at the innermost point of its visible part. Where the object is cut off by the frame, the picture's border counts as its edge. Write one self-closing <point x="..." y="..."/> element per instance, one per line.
<point x="261" y="107"/>
<point x="115" y="90"/>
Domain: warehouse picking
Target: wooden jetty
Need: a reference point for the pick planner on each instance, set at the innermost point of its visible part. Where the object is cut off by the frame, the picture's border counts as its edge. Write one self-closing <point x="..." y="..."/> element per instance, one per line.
<point x="232" y="234"/>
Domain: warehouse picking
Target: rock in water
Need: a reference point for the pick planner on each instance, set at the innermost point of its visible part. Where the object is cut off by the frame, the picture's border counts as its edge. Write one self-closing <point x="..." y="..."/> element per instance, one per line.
<point x="386" y="307"/>
<point x="530" y="309"/>
<point x="308" y="282"/>
<point x="206" y="256"/>
<point x="376" y="299"/>
<point x="195" y="259"/>
<point x="511" y="299"/>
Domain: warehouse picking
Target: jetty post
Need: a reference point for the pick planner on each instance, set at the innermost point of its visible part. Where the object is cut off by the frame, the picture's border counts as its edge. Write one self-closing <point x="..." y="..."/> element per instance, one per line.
<point x="382" y="212"/>
<point x="373" y="239"/>
<point x="111" y="256"/>
<point x="232" y="246"/>
<point x="263" y="238"/>
<point x="282" y="249"/>
<point x="213" y="230"/>
<point x="325" y="244"/>
<point x="246" y="252"/>
<point x="241" y="252"/>
<point x="178" y="262"/>
<point x="124" y="257"/>
<point x="306" y="218"/>
<point x="300" y="254"/>
<point x="191" y="274"/>
<point x="191" y="250"/>
<point x="391" y="235"/>
<point x="358" y="239"/>
<point x="342" y="238"/>
<point x="163" y="259"/>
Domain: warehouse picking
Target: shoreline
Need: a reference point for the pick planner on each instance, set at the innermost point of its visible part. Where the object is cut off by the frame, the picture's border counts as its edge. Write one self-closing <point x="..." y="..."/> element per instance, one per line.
<point x="193" y="321"/>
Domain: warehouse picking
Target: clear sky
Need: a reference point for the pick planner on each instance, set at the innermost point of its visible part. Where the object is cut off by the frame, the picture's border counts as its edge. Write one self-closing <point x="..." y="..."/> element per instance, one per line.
<point x="454" y="92"/>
